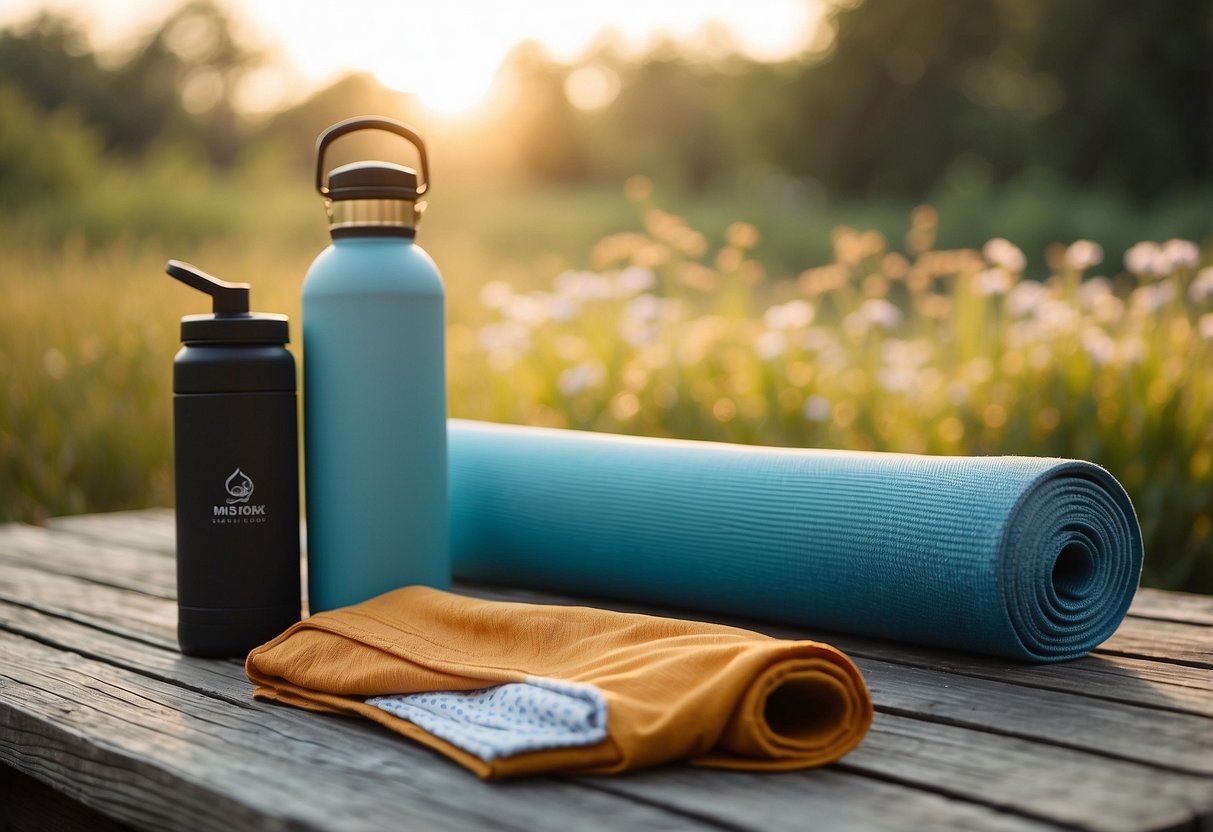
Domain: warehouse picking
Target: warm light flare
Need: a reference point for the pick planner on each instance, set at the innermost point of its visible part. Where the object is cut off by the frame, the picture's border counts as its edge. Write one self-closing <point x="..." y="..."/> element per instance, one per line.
<point x="447" y="52"/>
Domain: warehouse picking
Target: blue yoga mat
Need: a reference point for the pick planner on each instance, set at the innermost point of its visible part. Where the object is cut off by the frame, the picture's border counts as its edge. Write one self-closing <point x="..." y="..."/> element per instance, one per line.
<point x="1021" y="557"/>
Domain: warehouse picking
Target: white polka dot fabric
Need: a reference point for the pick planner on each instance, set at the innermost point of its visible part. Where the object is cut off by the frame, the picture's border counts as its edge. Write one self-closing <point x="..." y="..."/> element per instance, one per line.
<point x="507" y="720"/>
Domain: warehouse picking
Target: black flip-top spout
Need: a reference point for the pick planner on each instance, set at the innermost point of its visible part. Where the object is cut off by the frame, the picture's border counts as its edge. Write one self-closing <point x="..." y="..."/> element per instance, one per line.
<point x="229" y="298"/>
<point x="231" y="321"/>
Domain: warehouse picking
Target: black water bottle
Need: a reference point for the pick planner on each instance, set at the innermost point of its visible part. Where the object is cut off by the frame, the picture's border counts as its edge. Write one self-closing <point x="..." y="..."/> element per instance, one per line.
<point x="235" y="440"/>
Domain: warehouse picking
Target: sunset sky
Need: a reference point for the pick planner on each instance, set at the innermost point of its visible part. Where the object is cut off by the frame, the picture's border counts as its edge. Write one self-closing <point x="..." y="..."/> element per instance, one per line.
<point x="445" y="52"/>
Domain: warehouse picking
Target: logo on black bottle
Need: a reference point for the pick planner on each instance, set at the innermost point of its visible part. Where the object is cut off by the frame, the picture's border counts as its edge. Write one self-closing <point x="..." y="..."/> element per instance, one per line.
<point x="239" y="488"/>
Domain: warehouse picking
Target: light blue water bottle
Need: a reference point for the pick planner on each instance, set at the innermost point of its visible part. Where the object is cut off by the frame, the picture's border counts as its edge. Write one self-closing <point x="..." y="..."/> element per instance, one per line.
<point x="374" y="385"/>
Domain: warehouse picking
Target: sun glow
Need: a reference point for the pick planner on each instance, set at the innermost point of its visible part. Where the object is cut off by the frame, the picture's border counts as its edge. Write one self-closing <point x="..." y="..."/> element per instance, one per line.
<point x="452" y="99"/>
<point x="447" y="52"/>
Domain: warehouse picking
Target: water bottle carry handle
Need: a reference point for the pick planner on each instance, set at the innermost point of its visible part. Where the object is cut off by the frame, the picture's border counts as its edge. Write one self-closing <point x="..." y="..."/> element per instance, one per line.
<point x="351" y="125"/>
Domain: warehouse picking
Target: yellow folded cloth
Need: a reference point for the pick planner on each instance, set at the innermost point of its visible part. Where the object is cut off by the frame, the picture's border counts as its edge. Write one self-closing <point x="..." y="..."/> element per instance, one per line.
<point x="667" y="689"/>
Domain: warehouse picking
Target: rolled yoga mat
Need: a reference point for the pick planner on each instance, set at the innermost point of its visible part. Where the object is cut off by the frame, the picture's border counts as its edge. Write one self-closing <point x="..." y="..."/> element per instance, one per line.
<point x="1028" y="558"/>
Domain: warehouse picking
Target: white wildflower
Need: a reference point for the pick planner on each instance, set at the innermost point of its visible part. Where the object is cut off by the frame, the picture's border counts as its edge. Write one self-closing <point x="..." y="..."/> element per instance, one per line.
<point x="1084" y="254"/>
<point x="1057" y="317"/>
<point x="1180" y="254"/>
<point x="1103" y="305"/>
<point x="584" y="285"/>
<point x="1001" y="252"/>
<point x="1145" y="258"/>
<point x="643" y="307"/>
<point x="994" y="282"/>
<point x="770" y="345"/>
<point x="1152" y="297"/>
<point x="1099" y="345"/>
<point x="795" y="314"/>
<point x="531" y="309"/>
<point x="495" y="294"/>
<point x="1205" y="326"/>
<point x="817" y="409"/>
<point x="634" y="280"/>
<point x="560" y="308"/>
<point x="880" y="312"/>
<point x="1025" y="297"/>
<point x="643" y="316"/>
<point x="638" y="333"/>
<point x="505" y="342"/>
<point x="581" y="377"/>
<point x="1201" y="288"/>
<point x="1092" y="292"/>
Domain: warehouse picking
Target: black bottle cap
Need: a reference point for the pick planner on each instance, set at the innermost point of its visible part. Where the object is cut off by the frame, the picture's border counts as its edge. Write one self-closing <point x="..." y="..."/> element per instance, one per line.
<point x="231" y="322"/>
<point x="372" y="180"/>
<point x="371" y="174"/>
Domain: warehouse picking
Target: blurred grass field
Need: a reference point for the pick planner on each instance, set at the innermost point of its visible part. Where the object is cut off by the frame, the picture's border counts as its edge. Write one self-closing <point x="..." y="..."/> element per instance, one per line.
<point x="609" y="310"/>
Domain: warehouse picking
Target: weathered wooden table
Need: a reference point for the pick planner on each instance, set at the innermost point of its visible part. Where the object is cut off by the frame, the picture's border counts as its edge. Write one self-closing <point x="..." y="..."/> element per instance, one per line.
<point x="103" y="724"/>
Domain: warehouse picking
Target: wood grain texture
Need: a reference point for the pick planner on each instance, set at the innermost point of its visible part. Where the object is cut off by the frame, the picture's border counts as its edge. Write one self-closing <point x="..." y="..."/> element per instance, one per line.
<point x="225" y="683"/>
<point x="158" y="756"/>
<point x="152" y="530"/>
<point x="96" y="701"/>
<point x="1048" y="782"/>
<point x="107" y="563"/>
<point x="29" y="805"/>
<point x="1163" y="641"/>
<point x="191" y="743"/>
<point x="1008" y="774"/>
<point x="1185" y="607"/>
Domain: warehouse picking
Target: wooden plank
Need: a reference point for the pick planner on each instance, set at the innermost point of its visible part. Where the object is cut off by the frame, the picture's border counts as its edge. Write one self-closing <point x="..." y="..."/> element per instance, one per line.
<point x="860" y="802"/>
<point x="1173" y="741"/>
<point x="999" y="772"/>
<point x="221" y="679"/>
<point x="31" y="806"/>
<point x="151" y="530"/>
<point x="1186" y="607"/>
<point x="133" y="614"/>
<point x="1169" y="641"/>
<point x="160" y="756"/>
<point x="1177" y="741"/>
<point x="828" y="798"/>
<point x="1061" y="785"/>
<point x="98" y="561"/>
<point x="932" y="774"/>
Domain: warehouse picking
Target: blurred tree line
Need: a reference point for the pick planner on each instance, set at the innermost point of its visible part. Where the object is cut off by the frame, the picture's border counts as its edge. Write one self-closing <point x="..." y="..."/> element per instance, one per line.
<point x="891" y="99"/>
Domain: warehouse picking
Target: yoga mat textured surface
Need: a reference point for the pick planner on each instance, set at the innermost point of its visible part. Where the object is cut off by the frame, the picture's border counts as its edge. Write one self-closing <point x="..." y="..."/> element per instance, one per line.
<point x="1028" y="558"/>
